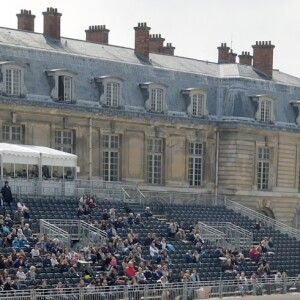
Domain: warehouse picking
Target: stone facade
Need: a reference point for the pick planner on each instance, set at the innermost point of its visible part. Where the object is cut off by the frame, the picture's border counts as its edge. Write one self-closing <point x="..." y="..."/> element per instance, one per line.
<point x="163" y="122"/>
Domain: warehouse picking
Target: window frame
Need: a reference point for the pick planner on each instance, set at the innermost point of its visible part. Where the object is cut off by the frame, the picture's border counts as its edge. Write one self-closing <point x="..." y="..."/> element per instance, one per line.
<point x="189" y="95"/>
<point x="103" y="83"/>
<point x="194" y="157"/>
<point x="155" y="160"/>
<point x="263" y="172"/>
<point x="68" y="77"/>
<point x="111" y="147"/>
<point x="265" y="112"/>
<point x="11" y="134"/>
<point x="61" y="145"/>
<point x="15" y="90"/>
<point x="154" y="102"/>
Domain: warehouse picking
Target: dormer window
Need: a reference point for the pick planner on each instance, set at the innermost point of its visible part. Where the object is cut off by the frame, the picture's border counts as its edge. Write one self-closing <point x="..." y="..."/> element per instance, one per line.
<point x="154" y="96"/>
<point x="110" y="91"/>
<point x="265" y="108"/>
<point x="13" y="79"/>
<point x="62" y="84"/>
<point x="195" y="102"/>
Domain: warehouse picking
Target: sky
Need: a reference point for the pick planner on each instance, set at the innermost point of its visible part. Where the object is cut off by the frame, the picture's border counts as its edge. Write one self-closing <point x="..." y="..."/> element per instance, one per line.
<point x="195" y="27"/>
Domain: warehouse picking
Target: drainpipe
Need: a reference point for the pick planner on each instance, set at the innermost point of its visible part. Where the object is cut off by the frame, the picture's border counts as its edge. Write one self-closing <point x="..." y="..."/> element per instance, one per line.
<point x="217" y="164"/>
<point x="90" y="150"/>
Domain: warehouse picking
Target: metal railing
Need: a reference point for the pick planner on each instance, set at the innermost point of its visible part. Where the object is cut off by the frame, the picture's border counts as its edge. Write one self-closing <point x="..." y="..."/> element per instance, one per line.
<point x="55" y="232"/>
<point x="78" y="230"/>
<point x="267" y="221"/>
<point x="212" y="236"/>
<point x="238" y="237"/>
<point x="160" y="291"/>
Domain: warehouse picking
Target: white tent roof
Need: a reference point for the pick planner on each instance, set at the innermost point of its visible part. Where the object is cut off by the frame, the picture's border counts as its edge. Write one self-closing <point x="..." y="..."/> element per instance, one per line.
<point x="28" y="154"/>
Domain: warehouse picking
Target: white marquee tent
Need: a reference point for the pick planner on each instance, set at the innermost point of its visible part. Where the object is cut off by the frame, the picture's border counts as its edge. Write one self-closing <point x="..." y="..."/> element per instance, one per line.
<point x="36" y="155"/>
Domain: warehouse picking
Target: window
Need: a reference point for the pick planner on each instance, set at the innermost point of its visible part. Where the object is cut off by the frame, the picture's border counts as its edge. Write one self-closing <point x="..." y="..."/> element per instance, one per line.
<point x="195" y="164"/>
<point x="13" y="79"/>
<point x="195" y="99"/>
<point x="263" y="169"/>
<point x="63" y="90"/>
<point x="64" y="140"/>
<point x="13" y="82"/>
<point x="154" y="96"/>
<point x="111" y="146"/>
<point x="11" y="133"/>
<point x="113" y="94"/>
<point x="265" y="108"/>
<point x="198" y="105"/>
<point x="110" y="88"/>
<point x="157" y="98"/>
<point x="154" y="160"/>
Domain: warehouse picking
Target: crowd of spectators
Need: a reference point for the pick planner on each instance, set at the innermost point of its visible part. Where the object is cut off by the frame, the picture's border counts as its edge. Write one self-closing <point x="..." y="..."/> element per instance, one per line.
<point x="122" y="260"/>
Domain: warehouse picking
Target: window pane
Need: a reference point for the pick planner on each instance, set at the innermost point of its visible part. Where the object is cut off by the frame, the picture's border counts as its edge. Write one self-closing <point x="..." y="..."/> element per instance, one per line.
<point x="195" y="164"/>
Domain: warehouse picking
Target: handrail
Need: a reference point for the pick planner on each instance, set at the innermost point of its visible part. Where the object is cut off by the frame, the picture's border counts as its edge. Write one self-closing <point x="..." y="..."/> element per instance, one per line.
<point x="141" y="197"/>
<point x="252" y="214"/>
<point x="219" y="289"/>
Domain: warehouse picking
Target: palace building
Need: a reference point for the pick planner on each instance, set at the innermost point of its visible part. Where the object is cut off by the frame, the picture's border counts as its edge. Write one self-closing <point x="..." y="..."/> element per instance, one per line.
<point x="146" y="117"/>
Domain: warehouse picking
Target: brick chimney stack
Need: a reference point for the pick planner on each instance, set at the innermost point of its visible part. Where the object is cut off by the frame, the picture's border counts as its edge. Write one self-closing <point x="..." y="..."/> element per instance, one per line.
<point x="263" y="57"/>
<point x="156" y="43"/>
<point x="141" y="48"/>
<point x="245" y="58"/>
<point x="97" y="34"/>
<point x="26" y="20"/>
<point x="52" y="23"/>
<point x="223" y="56"/>
<point x="169" y="49"/>
<point x="231" y="57"/>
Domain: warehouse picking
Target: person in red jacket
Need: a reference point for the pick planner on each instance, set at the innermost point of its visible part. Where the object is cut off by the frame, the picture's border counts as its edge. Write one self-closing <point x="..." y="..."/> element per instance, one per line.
<point x="130" y="270"/>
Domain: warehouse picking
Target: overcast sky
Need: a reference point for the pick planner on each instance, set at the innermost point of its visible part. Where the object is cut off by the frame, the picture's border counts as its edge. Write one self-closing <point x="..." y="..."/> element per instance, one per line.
<point x="195" y="27"/>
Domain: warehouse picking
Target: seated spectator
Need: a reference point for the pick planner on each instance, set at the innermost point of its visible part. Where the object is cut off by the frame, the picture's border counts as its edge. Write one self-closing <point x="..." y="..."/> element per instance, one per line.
<point x="47" y="261"/>
<point x="140" y="277"/>
<point x="138" y="220"/>
<point x="254" y="254"/>
<point x="112" y="213"/>
<point x="20" y="262"/>
<point x="8" y="221"/>
<point x="189" y="258"/>
<point x="2" y="262"/>
<point x="20" y="274"/>
<point x="172" y="229"/>
<point x="131" y="219"/>
<point x="31" y="274"/>
<point x="16" y="243"/>
<point x="18" y="216"/>
<point x="54" y="261"/>
<point x="157" y="273"/>
<point x="148" y="213"/>
<point x="8" y="284"/>
<point x="129" y="270"/>
<point x="180" y="235"/>
<point x="80" y="211"/>
<point x="153" y="250"/>
<point x="27" y="231"/>
<point x="105" y="215"/>
<point x="35" y="251"/>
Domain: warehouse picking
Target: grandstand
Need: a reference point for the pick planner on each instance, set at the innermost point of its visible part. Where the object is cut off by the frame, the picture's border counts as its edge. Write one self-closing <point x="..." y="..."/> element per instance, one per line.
<point x="60" y="213"/>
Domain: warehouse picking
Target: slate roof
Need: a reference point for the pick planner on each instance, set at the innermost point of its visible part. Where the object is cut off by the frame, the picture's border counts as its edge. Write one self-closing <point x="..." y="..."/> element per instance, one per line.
<point x="229" y="86"/>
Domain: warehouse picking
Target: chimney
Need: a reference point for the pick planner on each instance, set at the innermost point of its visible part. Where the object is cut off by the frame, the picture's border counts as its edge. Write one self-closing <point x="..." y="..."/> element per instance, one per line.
<point x="231" y="57"/>
<point x="223" y="56"/>
<point x="263" y="57"/>
<point x="141" y="48"/>
<point x="169" y="49"/>
<point x="156" y="43"/>
<point x="97" y="34"/>
<point x="26" y="20"/>
<point x="52" y="23"/>
<point x="245" y="58"/>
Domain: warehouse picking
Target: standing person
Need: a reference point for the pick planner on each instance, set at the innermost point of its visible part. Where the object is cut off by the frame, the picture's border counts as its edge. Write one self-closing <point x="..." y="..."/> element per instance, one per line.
<point x="6" y="193"/>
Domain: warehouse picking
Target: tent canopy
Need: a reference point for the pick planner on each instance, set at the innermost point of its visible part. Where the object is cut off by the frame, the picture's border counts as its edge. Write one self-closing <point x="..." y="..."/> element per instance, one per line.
<point x="34" y="155"/>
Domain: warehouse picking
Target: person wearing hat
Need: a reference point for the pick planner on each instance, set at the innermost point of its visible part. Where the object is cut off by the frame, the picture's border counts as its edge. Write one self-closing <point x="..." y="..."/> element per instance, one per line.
<point x="6" y="193"/>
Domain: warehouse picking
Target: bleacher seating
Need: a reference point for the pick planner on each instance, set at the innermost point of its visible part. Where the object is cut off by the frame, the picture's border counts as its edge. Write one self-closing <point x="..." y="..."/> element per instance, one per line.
<point x="286" y="258"/>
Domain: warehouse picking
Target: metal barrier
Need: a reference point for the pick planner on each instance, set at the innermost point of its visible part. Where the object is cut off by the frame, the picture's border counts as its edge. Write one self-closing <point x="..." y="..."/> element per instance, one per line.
<point x="269" y="222"/>
<point x="238" y="237"/>
<point x="55" y="232"/>
<point x="160" y="291"/>
<point x="78" y="230"/>
<point x="212" y="235"/>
